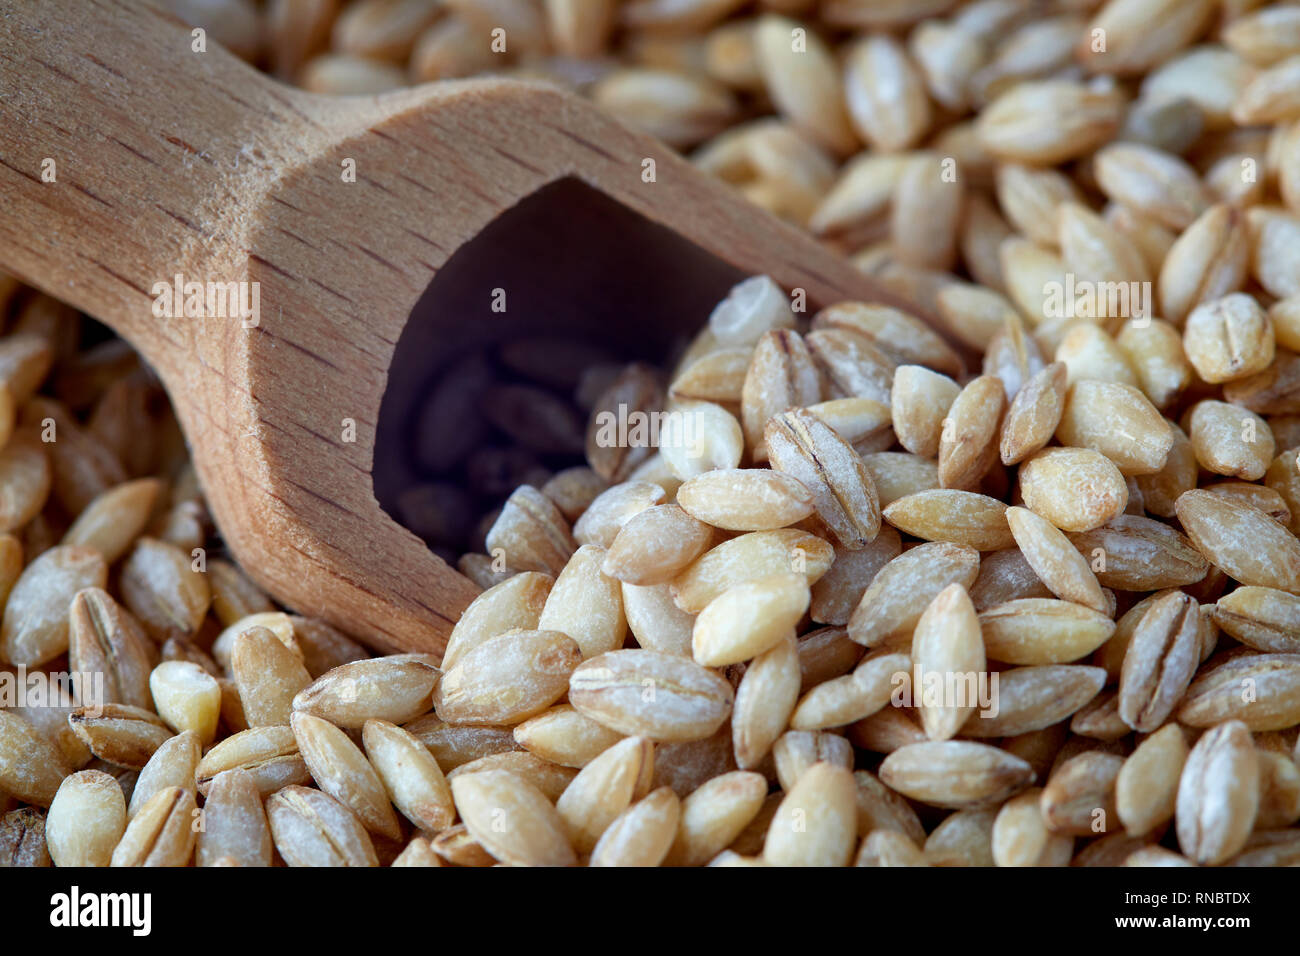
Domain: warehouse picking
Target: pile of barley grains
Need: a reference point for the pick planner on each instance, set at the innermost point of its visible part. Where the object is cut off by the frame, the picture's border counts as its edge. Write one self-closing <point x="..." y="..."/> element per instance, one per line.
<point x="867" y="599"/>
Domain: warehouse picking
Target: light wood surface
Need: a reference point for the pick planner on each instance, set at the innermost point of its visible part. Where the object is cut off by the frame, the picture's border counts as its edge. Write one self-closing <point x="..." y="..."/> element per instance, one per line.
<point x="170" y="161"/>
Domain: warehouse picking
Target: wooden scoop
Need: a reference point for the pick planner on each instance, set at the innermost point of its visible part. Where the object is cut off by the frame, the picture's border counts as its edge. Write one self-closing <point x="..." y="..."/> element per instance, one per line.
<point x="171" y="162"/>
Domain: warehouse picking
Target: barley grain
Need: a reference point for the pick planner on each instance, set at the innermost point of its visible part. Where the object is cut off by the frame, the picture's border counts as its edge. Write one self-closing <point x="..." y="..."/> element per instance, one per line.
<point x="1218" y="794"/>
<point x="1029" y="699"/>
<point x="120" y="734"/>
<point x="161" y="833"/>
<point x="268" y="754"/>
<point x="511" y="819"/>
<point x="86" y="820"/>
<point x="955" y="774"/>
<point x="507" y="679"/>
<point x="410" y="775"/>
<point x="515" y="603"/>
<point x="235" y="829"/>
<point x="1260" y="690"/>
<point x="35" y="625"/>
<point x="311" y="828"/>
<point x="1246" y="543"/>
<point x="1021" y="837"/>
<point x="659" y="696"/>
<point x="748" y="619"/>
<point x="816" y="823"/>
<point x="174" y="764"/>
<point x="901" y="590"/>
<point x="951" y="515"/>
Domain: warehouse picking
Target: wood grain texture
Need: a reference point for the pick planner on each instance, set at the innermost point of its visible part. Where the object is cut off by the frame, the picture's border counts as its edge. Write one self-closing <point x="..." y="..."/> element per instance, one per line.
<point x="173" y="162"/>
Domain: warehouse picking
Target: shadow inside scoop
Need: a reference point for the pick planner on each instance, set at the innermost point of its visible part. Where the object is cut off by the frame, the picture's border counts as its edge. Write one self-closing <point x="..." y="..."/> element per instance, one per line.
<point x="567" y="280"/>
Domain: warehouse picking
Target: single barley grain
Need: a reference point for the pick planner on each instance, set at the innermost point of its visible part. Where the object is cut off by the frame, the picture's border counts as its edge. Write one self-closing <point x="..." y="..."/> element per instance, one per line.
<point x="816" y="823"/>
<point x="410" y="775"/>
<point x="86" y="820"/>
<point x="235" y="829"/>
<point x="269" y="755"/>
<point x="586" y="601"/>
<point x="1021" y="836"/>
<point x="267" y="675"/>
<point x="511" y="819"/>
<point x="659" y="696"/>
<point x="161" y="833"/>
<point x="311" y="828"/>
<point x="901" y="590"/>
<point x="1218" y="794"/>
<point x="508" y="679"/>
<point x="1029" y="699"/>
<point x="174" y="764"/>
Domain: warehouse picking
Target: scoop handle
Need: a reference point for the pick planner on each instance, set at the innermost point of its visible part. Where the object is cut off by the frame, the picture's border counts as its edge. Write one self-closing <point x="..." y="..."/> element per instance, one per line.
<point x="132" y="150"/>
